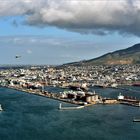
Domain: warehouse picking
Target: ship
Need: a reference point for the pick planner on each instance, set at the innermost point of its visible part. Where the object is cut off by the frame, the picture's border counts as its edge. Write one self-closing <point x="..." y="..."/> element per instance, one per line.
<point x="120" y="97"/>
<point x="78" y="88"/>
<point x="136" y="84"/>
<point x="69" y="108"/>
<point x="100" y="85"/>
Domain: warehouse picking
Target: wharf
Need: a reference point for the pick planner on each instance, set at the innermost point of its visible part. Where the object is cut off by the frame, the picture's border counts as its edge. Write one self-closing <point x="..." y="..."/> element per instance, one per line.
<point x="130" y="104"/>
<point x="55" y="96"/>
<point x="45" y="94"/>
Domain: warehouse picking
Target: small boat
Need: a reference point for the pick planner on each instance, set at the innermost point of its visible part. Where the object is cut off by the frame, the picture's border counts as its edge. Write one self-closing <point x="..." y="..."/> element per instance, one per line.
<point x="1" y="108"/>
<point x="69" y="108"/>
<point x="136" y="84"/>
<point x="136" y="120"/>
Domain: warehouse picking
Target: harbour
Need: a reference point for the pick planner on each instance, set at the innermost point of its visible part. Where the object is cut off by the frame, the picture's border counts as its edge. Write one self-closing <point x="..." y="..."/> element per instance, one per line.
<point x="91" y="104"/>
<point x="120" y="99"/>
<point x="36" y="117"/>
<point x="70" y="70"/>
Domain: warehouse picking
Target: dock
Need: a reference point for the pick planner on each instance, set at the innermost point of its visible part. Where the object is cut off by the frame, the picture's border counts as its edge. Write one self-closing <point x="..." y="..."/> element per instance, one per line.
<point x="128" y="101"/>
<point x="121" y="99"/>
<point x="49" y="95"/>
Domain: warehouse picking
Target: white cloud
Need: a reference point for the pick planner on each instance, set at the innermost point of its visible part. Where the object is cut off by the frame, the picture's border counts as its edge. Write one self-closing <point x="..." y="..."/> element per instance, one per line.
<point x="84" y="16"/>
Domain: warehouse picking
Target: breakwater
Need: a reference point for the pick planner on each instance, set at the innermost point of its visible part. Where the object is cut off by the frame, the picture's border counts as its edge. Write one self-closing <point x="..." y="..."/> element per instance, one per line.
<point x="56" y="96"/>
<point x="45" y="94"/>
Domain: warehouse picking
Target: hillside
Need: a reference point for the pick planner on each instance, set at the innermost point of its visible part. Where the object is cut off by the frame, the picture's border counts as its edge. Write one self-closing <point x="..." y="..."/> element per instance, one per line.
<point x="129" y="55"/>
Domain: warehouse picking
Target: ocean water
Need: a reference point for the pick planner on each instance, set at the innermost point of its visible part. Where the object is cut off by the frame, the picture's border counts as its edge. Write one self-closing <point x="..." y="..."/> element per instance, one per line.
<point x="31" y="117"/>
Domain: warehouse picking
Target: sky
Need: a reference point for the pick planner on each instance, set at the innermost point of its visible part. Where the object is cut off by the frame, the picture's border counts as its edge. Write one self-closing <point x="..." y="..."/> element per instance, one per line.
<point x="62" y="31"/>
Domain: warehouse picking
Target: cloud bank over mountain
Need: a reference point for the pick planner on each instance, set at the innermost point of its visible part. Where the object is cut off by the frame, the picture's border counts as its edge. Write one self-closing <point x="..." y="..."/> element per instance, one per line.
<point x="84" y="16"/>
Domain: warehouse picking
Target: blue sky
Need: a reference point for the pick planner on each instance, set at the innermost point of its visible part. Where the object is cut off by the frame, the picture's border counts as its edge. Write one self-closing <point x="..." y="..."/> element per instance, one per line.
<point x="51" y="43"/>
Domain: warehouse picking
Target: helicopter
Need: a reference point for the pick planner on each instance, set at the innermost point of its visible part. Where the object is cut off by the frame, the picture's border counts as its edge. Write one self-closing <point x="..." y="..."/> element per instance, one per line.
<point x="18" y="56"/>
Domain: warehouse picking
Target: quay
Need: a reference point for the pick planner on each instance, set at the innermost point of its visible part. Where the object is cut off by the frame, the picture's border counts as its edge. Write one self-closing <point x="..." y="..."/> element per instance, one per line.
<point x="44" y="94"/>
<point x="128" y="101"/>
<point x="88" y="100"/>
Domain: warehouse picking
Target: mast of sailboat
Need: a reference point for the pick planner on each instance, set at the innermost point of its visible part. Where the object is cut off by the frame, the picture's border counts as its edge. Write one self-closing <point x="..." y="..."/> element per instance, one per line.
<point x="0" y="108"/>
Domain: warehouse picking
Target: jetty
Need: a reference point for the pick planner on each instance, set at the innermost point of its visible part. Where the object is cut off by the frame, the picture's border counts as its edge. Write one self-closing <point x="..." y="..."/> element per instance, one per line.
<point x="81" y="99"/>
<point x="69" y="108"/>
<point x="128" y="101"/>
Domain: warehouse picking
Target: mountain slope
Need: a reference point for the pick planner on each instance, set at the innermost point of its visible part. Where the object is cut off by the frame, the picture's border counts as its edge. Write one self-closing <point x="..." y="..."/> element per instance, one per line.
<point x="129" y="55"/>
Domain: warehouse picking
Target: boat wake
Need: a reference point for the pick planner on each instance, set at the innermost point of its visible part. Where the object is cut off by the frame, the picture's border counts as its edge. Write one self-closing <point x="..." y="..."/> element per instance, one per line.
<point x="69" y="108"/>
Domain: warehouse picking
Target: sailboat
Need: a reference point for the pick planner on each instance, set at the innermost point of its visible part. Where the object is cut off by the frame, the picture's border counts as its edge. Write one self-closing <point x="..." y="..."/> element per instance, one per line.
<point x="1" y="108"/>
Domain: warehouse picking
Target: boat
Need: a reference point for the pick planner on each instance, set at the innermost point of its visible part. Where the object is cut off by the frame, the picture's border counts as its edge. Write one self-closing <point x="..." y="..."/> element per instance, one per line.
<point x="136" y="120"/>
<point x="100" y="86"/>
<point x="78" y="88"/>
<point x="120" y="97"/>
<point x="1" y="108"/>
<point x="136" y="84"/>
<point x="69" y="108"/>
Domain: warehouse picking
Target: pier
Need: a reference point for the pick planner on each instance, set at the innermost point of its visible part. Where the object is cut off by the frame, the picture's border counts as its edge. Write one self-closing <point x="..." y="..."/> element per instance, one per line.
<point x="128" y="101"/>
<point x="55" y="96"/>
<point x="45" y="94"/>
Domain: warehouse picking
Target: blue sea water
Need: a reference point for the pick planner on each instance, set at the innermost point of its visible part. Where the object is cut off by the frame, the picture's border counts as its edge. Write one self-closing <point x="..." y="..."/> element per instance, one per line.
<point x="30" y="117"/>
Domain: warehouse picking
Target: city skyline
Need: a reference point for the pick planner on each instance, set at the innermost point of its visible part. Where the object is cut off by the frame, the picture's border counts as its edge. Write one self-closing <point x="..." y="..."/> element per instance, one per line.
<point x="47" y="32"/>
